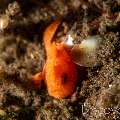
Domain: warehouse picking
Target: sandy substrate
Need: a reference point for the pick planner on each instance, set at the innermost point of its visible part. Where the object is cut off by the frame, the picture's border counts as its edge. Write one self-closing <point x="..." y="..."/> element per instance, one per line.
<point x="22" y="54"/>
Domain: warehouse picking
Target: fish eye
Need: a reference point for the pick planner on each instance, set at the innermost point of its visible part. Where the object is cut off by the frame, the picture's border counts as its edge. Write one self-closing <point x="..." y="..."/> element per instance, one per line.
<point x="64" y="78"/>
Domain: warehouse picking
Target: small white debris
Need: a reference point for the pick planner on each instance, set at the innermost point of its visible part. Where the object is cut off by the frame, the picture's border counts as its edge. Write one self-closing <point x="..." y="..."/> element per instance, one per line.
<point x="76" y="3"/>
<point x="2" y="112"/>
<point x="110" y="86"/>
<point x="69" y="40"/>
<point x="32" y="56"/>
<point x="4" y="21"/>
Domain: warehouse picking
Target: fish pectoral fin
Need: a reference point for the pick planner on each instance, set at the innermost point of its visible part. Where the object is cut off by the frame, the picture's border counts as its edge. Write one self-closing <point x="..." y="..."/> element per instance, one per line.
<point x="37" y="78"/>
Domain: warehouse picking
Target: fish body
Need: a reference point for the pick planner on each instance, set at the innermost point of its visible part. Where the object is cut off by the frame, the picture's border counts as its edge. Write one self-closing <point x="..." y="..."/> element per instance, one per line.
<point x="59" y="73"/>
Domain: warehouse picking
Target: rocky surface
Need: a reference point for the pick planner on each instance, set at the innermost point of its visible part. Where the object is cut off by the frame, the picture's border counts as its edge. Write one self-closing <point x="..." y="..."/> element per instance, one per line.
<point x="22" y="54"/>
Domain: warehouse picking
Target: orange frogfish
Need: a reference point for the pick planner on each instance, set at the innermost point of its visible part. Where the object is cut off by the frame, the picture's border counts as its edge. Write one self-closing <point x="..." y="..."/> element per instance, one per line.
<point x="59" y="72"/>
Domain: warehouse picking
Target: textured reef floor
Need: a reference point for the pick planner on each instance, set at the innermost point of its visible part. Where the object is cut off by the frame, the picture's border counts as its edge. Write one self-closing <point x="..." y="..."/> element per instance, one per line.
<point x="22" y="54"/>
